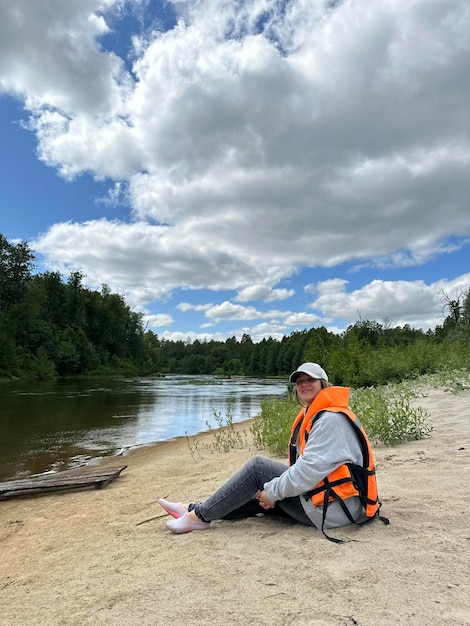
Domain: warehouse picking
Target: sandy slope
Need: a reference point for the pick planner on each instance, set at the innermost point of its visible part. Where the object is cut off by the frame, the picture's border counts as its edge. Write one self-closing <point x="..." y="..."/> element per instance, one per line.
<point x="105" y="557"/>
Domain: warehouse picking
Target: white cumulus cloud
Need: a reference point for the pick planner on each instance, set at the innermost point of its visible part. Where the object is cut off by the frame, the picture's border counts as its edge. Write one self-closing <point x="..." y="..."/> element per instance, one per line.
<point x="251" y="139"/>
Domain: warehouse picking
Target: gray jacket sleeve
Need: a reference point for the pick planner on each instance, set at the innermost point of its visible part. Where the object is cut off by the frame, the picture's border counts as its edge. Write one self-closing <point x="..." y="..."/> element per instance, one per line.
<point x="332" y="443"/>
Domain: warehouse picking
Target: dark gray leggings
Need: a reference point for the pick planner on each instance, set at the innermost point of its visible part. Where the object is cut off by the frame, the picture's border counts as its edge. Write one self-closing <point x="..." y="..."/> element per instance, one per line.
<point x="236" y="498"/>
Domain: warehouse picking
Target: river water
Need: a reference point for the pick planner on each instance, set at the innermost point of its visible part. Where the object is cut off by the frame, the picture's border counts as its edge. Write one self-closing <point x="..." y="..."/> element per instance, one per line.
<point x="55" y="426"/>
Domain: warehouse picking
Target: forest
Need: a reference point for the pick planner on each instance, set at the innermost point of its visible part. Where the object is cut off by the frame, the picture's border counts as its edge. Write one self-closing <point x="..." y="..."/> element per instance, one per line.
<point x="52" y="328"/>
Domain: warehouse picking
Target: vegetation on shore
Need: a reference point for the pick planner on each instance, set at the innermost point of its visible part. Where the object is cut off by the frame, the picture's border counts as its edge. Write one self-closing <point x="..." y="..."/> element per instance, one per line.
<point x="390" y="414"/>
<point x="50" y="328"/>
<point x="387" y="412"/>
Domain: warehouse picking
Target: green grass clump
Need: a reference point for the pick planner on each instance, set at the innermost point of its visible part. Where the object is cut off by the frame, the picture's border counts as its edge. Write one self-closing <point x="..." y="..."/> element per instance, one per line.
<point x="272" y="428"/>
<point x="226" y="437"/>
<point x="452" y="381"/>
<point x="388" y="415"/>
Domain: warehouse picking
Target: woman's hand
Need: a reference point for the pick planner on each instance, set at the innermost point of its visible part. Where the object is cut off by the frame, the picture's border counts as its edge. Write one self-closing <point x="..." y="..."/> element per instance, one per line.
<point x="264" y="501"/>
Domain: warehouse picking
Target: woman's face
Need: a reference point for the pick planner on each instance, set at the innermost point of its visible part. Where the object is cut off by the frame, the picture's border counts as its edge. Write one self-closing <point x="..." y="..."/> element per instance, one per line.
<point x="307" y="388"/>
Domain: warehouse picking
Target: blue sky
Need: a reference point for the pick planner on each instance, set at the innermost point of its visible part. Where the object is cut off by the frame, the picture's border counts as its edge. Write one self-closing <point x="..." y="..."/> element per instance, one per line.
<point x="238" y="167"/>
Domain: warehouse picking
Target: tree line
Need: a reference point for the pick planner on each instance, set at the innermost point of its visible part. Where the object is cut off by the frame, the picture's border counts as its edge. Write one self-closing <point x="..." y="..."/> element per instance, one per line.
<point x="53" y="328"/>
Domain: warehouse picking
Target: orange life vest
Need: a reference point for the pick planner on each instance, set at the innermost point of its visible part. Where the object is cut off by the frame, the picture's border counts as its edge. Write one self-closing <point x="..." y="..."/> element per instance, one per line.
<point x="347" y="480"/>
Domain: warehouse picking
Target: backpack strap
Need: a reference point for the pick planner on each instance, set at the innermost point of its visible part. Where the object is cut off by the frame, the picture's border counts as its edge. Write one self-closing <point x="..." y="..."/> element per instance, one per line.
<point x="359" y="475"/>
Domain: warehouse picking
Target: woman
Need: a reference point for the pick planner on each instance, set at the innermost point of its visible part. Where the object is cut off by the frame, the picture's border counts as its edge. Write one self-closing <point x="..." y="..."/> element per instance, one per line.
<point x="330" y="479"/>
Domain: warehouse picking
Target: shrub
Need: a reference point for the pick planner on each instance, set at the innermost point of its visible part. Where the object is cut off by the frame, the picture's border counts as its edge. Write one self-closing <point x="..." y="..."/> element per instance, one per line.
<point x="388" y="415"/>
<point x="272" y="428"/>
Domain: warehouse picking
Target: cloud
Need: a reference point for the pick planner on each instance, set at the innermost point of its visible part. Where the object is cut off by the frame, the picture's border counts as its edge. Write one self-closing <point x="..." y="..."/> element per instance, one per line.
<point x="158" y="321"/>
<point x="228" y="310"/>
<point x="399" y="302"/>
<point x="145" y="261"/>
<point x="184" y="307"/>
<point x="251" y="139"/>
<point x="203" y="149"/>
<point x="51" y="58"/>
<point x="264" y="293"/>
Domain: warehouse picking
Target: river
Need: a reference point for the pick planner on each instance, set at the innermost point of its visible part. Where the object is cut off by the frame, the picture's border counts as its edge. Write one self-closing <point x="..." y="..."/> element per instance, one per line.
<point x="52" y="426"/>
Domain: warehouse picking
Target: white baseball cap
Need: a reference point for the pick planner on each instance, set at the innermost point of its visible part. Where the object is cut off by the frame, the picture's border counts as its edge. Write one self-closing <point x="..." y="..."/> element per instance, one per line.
<point x="311" y="369"/>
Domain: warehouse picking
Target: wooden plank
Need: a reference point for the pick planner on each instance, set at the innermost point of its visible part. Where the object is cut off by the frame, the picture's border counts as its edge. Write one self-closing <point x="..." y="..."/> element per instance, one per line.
<point x="73" y="479"/>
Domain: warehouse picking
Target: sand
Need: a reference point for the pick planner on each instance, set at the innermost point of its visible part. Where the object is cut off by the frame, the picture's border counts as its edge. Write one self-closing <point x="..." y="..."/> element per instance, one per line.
<point x="105" y="556"/>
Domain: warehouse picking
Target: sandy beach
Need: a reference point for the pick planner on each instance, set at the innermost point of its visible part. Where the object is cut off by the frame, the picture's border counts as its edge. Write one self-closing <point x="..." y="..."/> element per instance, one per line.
<point x="105" y="556"/>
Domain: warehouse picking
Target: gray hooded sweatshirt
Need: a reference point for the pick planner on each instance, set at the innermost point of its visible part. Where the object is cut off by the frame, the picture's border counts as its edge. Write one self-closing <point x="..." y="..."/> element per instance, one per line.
<point x="332" y="442"/>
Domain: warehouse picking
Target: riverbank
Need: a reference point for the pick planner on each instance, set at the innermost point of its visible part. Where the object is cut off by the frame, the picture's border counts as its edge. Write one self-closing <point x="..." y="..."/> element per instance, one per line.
<point x="105" y="556"/>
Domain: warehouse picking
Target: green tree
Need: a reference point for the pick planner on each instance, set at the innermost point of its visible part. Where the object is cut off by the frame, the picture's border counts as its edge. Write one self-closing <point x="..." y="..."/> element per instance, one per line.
<point x="16" y="265"/>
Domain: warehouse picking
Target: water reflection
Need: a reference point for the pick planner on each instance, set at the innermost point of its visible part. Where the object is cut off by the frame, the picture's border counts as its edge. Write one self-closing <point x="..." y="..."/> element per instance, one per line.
<point x="51" y="426"/>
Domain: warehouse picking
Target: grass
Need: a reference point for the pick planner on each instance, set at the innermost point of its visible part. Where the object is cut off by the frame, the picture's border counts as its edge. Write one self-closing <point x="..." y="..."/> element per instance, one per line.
<point x="272" y="428"/>
<point x="388" y="415"/>
<point x="452" y="381"/>
<point x="226" y="437"/>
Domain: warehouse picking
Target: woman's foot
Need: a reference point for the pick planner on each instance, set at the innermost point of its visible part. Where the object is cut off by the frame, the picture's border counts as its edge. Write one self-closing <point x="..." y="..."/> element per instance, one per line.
<point x="175" y="509"/>
<point x="187" y="523"/>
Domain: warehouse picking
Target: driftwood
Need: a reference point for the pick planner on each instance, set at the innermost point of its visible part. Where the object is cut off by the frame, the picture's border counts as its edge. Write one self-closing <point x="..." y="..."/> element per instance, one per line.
<point x="72" y="479"/>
